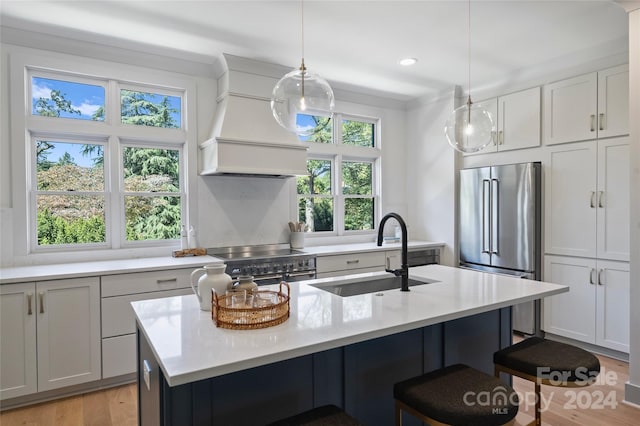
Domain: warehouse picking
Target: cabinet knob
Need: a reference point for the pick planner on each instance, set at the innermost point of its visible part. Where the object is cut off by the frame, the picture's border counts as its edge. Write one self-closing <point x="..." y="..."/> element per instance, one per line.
<point x="600" y="274"/>
<point x="41" y="297"/>
<point x="591" y="278"/>
<point x="601" y="121"/>
<point x="601" y="199"/>
<point x="593" y="199"/>
<point x="593" y="122"/>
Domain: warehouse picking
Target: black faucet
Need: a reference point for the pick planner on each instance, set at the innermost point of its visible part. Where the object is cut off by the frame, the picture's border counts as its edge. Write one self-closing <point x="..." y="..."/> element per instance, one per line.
<point x="404" y="270"/>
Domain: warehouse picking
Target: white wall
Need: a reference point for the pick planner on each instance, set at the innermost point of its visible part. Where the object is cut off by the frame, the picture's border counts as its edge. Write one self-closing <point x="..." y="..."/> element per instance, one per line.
<point x="431" y="175"/>
<point x="632" y="390"/>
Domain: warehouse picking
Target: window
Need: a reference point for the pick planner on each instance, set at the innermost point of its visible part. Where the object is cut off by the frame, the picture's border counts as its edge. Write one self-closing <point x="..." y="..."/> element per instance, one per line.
<point x="338" y="195"/>
<point x="106" y="158"/>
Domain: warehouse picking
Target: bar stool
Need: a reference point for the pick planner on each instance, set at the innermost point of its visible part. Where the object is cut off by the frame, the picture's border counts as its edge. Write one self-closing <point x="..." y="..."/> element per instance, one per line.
<point x="326" y="415"/>
<point x="547" y="362"/>
<point x="456" y="395"/>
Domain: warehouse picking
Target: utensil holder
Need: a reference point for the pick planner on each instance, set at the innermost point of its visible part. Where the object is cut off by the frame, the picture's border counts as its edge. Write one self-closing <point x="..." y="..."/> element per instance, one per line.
<point x="297" y="240"/>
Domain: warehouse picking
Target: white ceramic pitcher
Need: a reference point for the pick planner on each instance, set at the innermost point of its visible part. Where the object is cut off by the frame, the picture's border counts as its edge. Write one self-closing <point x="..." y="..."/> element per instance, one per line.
<point x="214" y="278"/>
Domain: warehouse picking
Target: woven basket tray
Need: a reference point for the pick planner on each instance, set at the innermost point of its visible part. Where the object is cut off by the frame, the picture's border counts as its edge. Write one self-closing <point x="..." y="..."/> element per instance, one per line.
<point x="245" y="317"/>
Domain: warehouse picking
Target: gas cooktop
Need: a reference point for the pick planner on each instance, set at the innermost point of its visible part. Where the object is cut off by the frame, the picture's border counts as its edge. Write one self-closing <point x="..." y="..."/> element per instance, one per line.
<point x="253" y="252"/>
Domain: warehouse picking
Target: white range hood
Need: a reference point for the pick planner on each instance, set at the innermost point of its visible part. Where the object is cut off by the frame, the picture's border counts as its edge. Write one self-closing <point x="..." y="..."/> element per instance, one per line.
<point x="246" y="139"/>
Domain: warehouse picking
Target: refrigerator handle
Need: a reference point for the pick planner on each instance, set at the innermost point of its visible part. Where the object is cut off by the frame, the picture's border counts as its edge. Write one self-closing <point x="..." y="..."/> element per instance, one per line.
<point x="486" y="215"/>
<point x="495" y="217"/>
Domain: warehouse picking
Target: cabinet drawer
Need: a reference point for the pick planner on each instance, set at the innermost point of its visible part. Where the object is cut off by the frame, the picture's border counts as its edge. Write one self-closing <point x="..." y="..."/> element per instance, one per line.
<point x="118" y="356"/>
<point x="117" y="313"/>
<point x="144" y="282"/>
<point x="346" y="262"/>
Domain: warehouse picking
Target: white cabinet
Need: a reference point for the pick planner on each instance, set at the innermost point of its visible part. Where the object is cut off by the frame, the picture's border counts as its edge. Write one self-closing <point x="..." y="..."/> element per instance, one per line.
<point x="612" y="305"/>
<point x="596" y="308"/>
<point x="351" y="263"/>
<point x="50" y="335"/>
<point x="118" y="321"/>
<point x="68" y="332"/>
<point x="589" y="106"/>
<point x="18" y="368"/>
<point x="517" y="120"/>
<point x="587" y="199"/>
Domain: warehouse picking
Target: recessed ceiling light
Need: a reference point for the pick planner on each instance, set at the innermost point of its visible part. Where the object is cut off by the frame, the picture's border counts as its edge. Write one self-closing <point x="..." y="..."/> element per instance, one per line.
<point x="406" y="62"/>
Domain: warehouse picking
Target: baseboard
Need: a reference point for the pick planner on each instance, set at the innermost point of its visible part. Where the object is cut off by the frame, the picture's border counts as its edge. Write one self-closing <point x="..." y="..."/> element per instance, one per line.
<point x="611" y="353"/>
<point x="38" y="397"/>
<point x="632" y="394"/>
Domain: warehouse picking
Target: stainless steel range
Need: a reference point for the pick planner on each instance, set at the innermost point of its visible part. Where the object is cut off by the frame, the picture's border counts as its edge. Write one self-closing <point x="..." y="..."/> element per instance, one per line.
<point x="269" y="264"/>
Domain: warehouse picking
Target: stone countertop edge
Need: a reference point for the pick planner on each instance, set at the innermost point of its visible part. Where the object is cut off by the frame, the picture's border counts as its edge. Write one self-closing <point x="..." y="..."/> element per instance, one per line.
<point x="459" y="293"/>
<point x="97" y="268"/>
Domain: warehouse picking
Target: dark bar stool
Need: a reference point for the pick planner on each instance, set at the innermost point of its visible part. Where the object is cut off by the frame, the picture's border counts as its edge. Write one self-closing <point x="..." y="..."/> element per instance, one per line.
<point x="547" y="362"/>
<point x="456" y="395"/>
<point x="327" y="415"/>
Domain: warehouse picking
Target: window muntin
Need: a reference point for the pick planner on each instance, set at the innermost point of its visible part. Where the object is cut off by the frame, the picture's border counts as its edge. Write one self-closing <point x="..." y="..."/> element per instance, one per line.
<point x="69" y="192"/>
<point x="358" y="133"/>
<point x="152" y="193"/>
<point x="67" y="99"/>
<point x="150" y="109"/>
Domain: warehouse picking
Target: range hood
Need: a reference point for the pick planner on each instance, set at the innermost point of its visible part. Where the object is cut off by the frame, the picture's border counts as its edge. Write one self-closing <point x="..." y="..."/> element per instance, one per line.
<point x="245" y="137"/>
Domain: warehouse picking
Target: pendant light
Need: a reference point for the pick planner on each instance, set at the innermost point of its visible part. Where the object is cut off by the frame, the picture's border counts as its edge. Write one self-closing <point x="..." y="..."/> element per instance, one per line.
<point x="301" y="92"/>
<point x="469" y="127"/>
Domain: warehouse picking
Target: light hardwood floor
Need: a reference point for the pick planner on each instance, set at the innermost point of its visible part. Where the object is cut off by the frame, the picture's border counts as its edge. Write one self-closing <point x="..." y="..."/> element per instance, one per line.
<point x="118" y="406"/>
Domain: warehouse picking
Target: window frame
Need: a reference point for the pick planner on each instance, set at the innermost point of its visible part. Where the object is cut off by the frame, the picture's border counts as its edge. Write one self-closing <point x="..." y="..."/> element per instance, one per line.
<point x="338" y="153"/>
<point x="26" y="127"/>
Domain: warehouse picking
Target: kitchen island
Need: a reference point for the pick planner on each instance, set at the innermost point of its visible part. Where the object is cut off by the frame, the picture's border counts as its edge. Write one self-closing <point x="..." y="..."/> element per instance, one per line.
<point x="346" y="351"/>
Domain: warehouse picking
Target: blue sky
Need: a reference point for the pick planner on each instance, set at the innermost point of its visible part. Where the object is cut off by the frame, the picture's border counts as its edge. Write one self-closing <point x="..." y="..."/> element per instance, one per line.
<point x="73" y="149"/>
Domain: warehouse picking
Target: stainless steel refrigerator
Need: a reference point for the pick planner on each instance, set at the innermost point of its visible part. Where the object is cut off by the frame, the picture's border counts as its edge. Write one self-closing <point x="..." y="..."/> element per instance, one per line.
<point x="500" y="228"/>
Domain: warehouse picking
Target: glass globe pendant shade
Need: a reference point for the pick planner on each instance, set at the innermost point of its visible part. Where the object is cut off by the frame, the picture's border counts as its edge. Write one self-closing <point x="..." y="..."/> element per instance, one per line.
<point x="301" y="92"/>
<point x="469" y="128"/>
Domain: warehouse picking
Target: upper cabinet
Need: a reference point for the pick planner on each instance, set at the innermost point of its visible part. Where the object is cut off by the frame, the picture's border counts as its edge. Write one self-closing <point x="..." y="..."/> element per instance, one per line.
<point x="519" y="120"/>
<point x="516" y="119"/>
<point x="589" y="106"/>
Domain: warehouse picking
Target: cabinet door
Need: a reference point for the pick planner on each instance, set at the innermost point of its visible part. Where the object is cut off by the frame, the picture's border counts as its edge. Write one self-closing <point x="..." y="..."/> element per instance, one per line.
<point x="490" y="105"/>
<point x="570" y="200"/>
<point x="18" y="371"/>
<point x="612" y="312"/>
<point x="519" y="120"/>
<point x="613" y="102"/>
<point x="570" y="109"/>
<point x="613" y="199"/>
<point x="571" y="314"/>
<point x="68" y="332"/>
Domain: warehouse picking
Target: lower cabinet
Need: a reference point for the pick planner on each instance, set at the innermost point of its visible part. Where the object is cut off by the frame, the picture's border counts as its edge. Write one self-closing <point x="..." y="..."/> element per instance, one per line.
<point x="18" y="365"/>
<point x="50" y="335"/>
<point x="596" y="308"/>
<point x="118" y="320"/>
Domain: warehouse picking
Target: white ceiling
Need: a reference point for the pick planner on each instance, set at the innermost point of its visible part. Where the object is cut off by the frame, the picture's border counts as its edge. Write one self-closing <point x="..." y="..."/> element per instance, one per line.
<point x="352" y="42"/>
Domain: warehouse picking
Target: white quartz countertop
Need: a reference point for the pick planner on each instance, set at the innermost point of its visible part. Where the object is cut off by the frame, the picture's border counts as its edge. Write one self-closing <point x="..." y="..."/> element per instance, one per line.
<point x="106" y="267"/>
<point x="109" y="267"/>
<point x="372" y="246"/>
<point x="189" y="347"/>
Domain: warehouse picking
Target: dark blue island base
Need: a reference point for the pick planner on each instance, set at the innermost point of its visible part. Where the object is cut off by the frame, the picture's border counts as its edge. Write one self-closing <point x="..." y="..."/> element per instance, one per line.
<point x="358" y="377"/>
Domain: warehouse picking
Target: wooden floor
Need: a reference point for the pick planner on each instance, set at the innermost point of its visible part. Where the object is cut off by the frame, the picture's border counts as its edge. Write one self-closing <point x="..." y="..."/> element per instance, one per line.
<point x="594" y="405"/>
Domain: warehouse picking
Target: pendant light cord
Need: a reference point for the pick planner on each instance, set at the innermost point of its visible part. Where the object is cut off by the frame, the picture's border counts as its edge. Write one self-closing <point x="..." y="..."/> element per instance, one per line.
<point x="302" y="67"/>
<point x="469" y="54"/>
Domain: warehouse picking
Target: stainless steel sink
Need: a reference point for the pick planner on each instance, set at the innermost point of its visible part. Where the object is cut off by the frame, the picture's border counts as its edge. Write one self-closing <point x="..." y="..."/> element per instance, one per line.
<point x="351" y="287"/>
